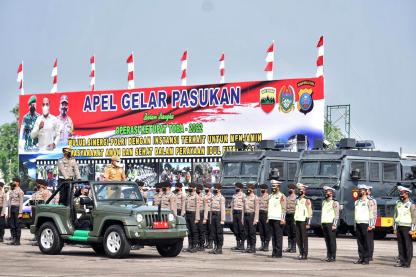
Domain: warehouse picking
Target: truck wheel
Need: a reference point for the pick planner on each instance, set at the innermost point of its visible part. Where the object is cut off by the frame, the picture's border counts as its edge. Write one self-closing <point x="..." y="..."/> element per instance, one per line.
<point x="170" y="250"/>
<point x="115" y="243"/>
<point x="49" y="240"/>
<point x="98" y="249"/>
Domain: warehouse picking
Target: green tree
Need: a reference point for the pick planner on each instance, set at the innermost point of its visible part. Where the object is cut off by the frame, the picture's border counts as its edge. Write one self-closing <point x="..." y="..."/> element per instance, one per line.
<point x="9" y="162"/>
<point x="332" y="134"/>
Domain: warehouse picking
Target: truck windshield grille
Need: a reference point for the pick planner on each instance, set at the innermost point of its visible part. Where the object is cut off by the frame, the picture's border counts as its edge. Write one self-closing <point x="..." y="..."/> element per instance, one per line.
<point x="150" y="218"/>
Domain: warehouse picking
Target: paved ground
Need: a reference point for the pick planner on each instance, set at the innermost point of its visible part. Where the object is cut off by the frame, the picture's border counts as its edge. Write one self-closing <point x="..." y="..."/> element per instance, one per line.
<point x="26" y="260"/>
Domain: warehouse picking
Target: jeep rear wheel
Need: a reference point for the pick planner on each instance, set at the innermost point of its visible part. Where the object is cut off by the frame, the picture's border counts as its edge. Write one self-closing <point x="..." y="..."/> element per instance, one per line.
<point x="115" y="242"/>
<point x="49" y="240"/>
<point x="170" y="250"/>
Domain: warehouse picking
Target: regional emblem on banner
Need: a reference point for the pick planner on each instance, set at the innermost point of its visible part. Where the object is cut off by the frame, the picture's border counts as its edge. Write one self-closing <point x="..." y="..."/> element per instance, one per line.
<point x="287" y="99"/>
<point x="305" y="104"/>
<point x="267" y="99"/>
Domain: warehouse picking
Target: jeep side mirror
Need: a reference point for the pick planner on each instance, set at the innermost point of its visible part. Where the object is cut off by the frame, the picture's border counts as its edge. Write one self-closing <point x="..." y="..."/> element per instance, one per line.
<point x="85" y="201"/>
<point x="274" y="174"/>
<point x="355" y="174"/>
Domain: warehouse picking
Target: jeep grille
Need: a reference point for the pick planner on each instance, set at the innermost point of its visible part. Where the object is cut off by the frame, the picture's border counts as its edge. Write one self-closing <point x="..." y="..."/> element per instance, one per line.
<point x="150" y="218"/>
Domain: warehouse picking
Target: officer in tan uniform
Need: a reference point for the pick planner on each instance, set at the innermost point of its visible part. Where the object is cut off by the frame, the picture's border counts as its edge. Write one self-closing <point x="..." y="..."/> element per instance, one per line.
<point x="264" y="228"/>
<point x="180" y="199"/>
<point x="251" y="217"/>
<point x="207" y="208"/>
<point x="140" y="184"/>
<point x="115" y="171"/>
<point x="158" y="194"/>
<point x="68" y="166"/>
<point x="216" y="216"/>
<point x="237" y="211"/>
<point x="15" y="208"/>
<point x="168" y="199"/>
<point x="39" y="197"/>
<point x="192" y="217"/>
<point x="200" y="226"/>
<point x="2" y="211"/>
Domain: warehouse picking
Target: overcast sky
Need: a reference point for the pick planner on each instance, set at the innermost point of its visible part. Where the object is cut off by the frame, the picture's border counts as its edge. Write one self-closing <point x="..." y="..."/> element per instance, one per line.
<point x="370" y="51"/>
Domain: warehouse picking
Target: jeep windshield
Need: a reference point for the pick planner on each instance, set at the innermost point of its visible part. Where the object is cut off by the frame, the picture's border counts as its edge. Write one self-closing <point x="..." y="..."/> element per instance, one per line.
<point x="117" y="192"/>
<point x="244" y="172"/>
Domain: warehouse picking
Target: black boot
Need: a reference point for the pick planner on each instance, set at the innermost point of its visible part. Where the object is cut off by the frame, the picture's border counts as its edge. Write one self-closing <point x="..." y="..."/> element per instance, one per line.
<point x="289" y="246"/>
<point x="293" y="247"/>
<point x="241" y="248"/>
<point x="210" y="244"/>
<point x="17" y="241"/>
<point x="218" y="250"/>
<point x="248" y="249"/>
<point x="251" y="249"/>
<point x="201" y="247"/>
<point x="213" y="250"/>
<point x="194" y="248"/>
<point x="266" y="246"/>
<point x="237" y="247"/>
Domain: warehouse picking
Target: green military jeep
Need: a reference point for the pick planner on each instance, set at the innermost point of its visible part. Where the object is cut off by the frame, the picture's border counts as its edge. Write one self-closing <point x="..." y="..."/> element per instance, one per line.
<point x="111" y="219"/>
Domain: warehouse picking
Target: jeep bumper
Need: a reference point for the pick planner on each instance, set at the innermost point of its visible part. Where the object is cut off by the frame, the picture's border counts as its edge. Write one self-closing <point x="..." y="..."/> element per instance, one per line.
<point x="136" y="233"/>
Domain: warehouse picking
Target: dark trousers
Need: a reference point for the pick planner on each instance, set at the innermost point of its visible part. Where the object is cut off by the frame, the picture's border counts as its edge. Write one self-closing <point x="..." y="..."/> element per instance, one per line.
<point x="14" y="223"/>
<point x="404" y="241"/>
<point x="201" y="228"/>
<point x="217" y="229"/>
<point x="330" y="240"/>
<point x="370" y="244"/>
<point x="2" y="224"/>
<point x="302" y="238"/>
<point x="250" y="228"/>
<point x="238" y="226"/>
<point x="192" y="229"/>
<point x="264" y="228"/>
<point x="291" y="231"/>
<point x="277" y="237"/>
<point x="361" y="230"/>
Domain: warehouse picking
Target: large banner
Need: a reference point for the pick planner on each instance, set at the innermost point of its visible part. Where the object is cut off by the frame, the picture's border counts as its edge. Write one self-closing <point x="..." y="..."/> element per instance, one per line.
<point x="149" y="126"/>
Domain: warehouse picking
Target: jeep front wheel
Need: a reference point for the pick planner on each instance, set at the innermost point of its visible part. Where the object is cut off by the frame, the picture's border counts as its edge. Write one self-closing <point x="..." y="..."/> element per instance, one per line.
<point x="170" y="250"/>
<point x="49" y="240"/>
<point x="115" y="242"/>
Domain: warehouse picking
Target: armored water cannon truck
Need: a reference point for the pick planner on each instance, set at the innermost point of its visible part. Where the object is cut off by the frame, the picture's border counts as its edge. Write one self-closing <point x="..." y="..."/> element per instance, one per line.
<point x="352" y="163"/>
<point x="259" y="164"/>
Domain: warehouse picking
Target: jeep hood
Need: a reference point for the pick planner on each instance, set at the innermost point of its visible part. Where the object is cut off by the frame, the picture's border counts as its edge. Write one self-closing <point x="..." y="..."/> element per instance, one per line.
<point x="127" y="208"/>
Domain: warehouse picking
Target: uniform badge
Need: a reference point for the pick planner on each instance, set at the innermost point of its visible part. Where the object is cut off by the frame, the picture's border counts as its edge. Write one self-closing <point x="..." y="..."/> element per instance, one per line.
<point x="305" y="104"/>
<point x="287" y="99"/>
<point x="267" y="99"/>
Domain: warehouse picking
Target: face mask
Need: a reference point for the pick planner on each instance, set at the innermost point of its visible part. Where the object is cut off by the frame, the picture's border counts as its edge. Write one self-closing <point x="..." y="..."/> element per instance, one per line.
<point x="206" y="191"/>
<point x="164" y="189"/>
<point x="13" y="186"/>
<point x="300" y="193"/>
<point x="157" y="190"/>
<point x="327" y="195"/>
<point x="64" y="110"/>
<point x="32" y="109"/>
<point x="45" y="110"/>
<point x="249" y="191"/>
<point x="360" y="194"/>
<point x="68" y="154"/>
<point x="291" y="191"/>
<point x="198" y="192"/>
<point x="176" y="190"/>
<point x="215" y="191"/>
<point x="237" y="190"/>
<point x="190" y="190"/>
<point x="263" y="191"/>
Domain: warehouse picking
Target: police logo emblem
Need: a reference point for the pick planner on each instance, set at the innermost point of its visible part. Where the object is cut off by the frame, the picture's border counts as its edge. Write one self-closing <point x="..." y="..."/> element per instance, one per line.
<point x="267" y="99"/>
<point x="305" y="104"/>
<point x="287" y="99"/>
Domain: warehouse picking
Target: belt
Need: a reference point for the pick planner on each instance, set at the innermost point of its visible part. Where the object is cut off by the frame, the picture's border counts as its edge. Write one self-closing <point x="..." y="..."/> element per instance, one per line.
<point x="190" y="212"/>
<point x="215" y="213"/>
<point x="262" y="211"/>
<point x="249" y="213"/>
<point x="237" y="211"/>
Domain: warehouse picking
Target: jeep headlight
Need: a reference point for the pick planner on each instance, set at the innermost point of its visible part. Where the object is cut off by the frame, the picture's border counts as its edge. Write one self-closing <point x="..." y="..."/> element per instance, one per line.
<point x="171" y="217"/>
<point x="139" y="218"/>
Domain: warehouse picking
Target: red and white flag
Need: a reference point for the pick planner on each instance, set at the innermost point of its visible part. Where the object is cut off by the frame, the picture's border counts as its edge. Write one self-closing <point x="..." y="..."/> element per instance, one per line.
<point x="130" y="70"/>
<point x="20" y="78"/>
<point x="184" y="67"/>
<point x="92" y="73"/>
<point x="320" y="59"/>
<point x="222" y="68"/>
<point x="54" y="75"/>
<point x="269" y="62"/>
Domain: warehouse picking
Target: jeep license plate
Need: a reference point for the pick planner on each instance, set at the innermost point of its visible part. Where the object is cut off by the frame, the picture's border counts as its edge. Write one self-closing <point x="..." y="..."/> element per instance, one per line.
<point x="160" y="225"/>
